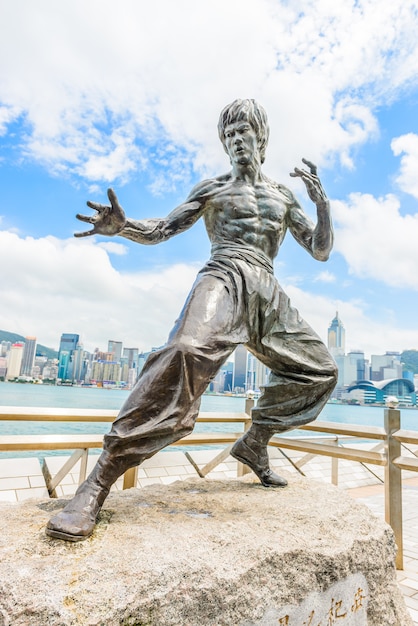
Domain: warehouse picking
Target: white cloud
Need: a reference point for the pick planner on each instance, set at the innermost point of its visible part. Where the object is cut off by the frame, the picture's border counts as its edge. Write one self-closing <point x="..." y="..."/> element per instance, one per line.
<point x="407" y="146"/>
<point x="325" y="277"/>
<point x="113" y="247"/>
<point x="7" y="115"/>
<point x="363" y="330"/>
<point x="98" y="85"/>
<point x="54" y="286"/>
<point x="376" y="240"/>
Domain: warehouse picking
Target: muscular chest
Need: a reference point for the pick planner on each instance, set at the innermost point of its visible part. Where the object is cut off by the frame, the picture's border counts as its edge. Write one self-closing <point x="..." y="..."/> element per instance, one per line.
<point x="239" y="201"/>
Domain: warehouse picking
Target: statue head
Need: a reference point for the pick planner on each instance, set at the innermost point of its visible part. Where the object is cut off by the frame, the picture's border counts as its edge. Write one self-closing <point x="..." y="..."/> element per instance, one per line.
<point x="249" y="111"/>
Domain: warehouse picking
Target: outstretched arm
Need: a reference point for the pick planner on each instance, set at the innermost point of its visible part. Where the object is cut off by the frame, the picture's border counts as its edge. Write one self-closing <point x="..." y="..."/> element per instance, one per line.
<point x="110" y="220"/>
<point x="154" y="230"/>
<point x="319" y="239"/>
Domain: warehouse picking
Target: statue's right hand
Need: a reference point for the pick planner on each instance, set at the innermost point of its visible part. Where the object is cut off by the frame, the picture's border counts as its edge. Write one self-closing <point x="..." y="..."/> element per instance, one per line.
<point x="108" y="220"/>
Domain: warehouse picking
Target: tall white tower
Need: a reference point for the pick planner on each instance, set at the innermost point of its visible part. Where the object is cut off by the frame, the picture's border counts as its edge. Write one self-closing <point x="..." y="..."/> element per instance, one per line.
<point x="14" y="362"/>
<point x="336" y="337"/>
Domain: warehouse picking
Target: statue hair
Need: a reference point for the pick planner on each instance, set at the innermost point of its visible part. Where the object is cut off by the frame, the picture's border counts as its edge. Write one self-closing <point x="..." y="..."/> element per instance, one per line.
<point x="250" y="111"/>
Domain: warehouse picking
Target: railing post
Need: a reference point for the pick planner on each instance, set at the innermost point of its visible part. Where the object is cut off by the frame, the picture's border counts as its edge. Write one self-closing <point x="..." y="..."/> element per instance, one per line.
<point x="83" y="466"/>
<point x="393" y="481"/>
<point x="130" y="478"/>
<point x="241" y="468"/>
<point x="334" y="467"/>
<point x="249" y="405"/>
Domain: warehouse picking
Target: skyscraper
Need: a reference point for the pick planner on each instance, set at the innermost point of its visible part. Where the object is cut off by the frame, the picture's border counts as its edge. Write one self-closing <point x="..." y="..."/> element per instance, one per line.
<point x="68" y="345"/>
<point x="131" y="354"/>
<point x="63" y="364"/>
<point x="5" y="347"/>
<point x="385" y="366"/>
<point x="257" y="373"/>
<point x="14" y="361"/>
<point x="240" y="368"/>
<point x="336" y="337"/>
<point x="28" y="358"/>
<point x="78" y="366"/>
<point x="68" y="342"/>
<point x="116" y="348"/>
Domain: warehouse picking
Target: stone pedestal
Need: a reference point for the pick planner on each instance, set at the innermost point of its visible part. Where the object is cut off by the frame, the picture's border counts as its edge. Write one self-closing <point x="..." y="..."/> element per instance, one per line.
<point x="204" y="553"/>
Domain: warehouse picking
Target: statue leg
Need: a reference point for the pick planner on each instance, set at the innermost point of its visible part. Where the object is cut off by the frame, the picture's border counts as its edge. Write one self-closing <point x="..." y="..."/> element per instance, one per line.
<point x="77" y="520"/>
<point x="161" y="408"/>
<point x="303" y="375"/>
<point x="156" y="414"/>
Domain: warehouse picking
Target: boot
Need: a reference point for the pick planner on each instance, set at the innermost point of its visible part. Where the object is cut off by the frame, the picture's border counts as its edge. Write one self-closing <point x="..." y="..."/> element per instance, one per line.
<point x="251" y="449"/>
<point x="77" y="520"/>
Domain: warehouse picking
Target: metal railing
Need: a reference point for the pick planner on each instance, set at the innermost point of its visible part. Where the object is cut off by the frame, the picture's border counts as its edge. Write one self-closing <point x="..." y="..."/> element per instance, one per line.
<point x="387" y="453"/>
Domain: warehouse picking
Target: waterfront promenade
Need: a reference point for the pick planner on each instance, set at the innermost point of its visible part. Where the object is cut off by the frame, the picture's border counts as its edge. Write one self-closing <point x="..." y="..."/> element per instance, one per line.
<point x="22" y="478"/>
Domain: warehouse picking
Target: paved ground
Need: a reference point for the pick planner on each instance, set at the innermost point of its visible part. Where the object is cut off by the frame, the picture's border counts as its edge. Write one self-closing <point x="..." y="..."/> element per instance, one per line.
<point x="373" y="497"/>
<point x="23" y="478"/>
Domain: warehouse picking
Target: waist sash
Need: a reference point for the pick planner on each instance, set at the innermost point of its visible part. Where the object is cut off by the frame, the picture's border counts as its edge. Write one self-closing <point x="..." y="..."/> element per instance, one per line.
<point x="233" y="251"/>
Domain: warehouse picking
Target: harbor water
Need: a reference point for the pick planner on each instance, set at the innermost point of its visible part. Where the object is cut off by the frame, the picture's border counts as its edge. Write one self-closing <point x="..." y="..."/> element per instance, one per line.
<point x="33" y="395"/>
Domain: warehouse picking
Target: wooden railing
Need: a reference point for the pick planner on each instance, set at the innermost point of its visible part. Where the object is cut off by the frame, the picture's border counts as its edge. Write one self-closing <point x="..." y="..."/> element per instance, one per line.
<point x="387" y="453"/>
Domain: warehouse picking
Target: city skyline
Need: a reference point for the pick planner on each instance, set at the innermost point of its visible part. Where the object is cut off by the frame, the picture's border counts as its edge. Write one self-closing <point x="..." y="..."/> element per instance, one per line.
<point x="335" y="339"/>
<point x="86" y="104"/>
<point x="360" y="379"/>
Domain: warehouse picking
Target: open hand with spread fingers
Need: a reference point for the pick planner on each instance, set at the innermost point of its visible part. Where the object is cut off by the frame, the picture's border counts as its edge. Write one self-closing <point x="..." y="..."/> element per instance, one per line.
<point x="109" y="220"/>
<point x="312" y="182"/>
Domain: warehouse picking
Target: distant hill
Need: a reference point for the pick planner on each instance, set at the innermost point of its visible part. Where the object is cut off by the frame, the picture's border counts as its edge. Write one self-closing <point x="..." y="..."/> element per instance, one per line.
<point x="409" y="359"/>
<point x="40" y="349"/>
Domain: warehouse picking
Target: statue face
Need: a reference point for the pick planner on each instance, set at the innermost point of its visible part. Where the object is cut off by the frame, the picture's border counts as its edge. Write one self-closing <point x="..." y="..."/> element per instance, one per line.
<point x="241" y="142"/>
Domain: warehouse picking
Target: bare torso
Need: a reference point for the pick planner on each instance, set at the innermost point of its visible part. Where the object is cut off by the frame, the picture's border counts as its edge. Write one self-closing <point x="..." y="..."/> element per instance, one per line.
<point x="249" y="214"/>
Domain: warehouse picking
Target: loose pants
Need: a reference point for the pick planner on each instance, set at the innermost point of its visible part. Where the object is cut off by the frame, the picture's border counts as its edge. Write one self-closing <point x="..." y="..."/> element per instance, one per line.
<point x="233" y="301"/>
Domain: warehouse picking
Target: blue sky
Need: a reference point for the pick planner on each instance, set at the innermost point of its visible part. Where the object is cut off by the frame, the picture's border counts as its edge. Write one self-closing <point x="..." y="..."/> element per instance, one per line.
<point x="97" y="94"/>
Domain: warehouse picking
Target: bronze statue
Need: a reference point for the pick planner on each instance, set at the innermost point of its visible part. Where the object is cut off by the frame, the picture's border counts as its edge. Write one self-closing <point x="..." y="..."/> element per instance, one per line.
<point x="234" y="300"/>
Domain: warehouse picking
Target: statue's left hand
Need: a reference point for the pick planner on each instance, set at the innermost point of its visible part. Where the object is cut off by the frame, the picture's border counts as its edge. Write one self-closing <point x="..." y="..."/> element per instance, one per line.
<point x="312" y="182"/>
<point x="108" y="221"/>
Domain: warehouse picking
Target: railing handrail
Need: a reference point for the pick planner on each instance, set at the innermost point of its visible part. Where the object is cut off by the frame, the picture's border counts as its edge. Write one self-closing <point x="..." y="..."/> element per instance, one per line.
<point x="406" y="436"/>
<point x="64" y="414"/>
<point x="355" y="430"/>
<point x="58" y="414"/>
<point x="55" y="414"/>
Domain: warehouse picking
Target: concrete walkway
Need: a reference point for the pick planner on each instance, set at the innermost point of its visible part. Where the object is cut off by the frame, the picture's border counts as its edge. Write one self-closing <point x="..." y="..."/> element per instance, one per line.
<point x="22" y="478"/>
<point x="373" y="497"/>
